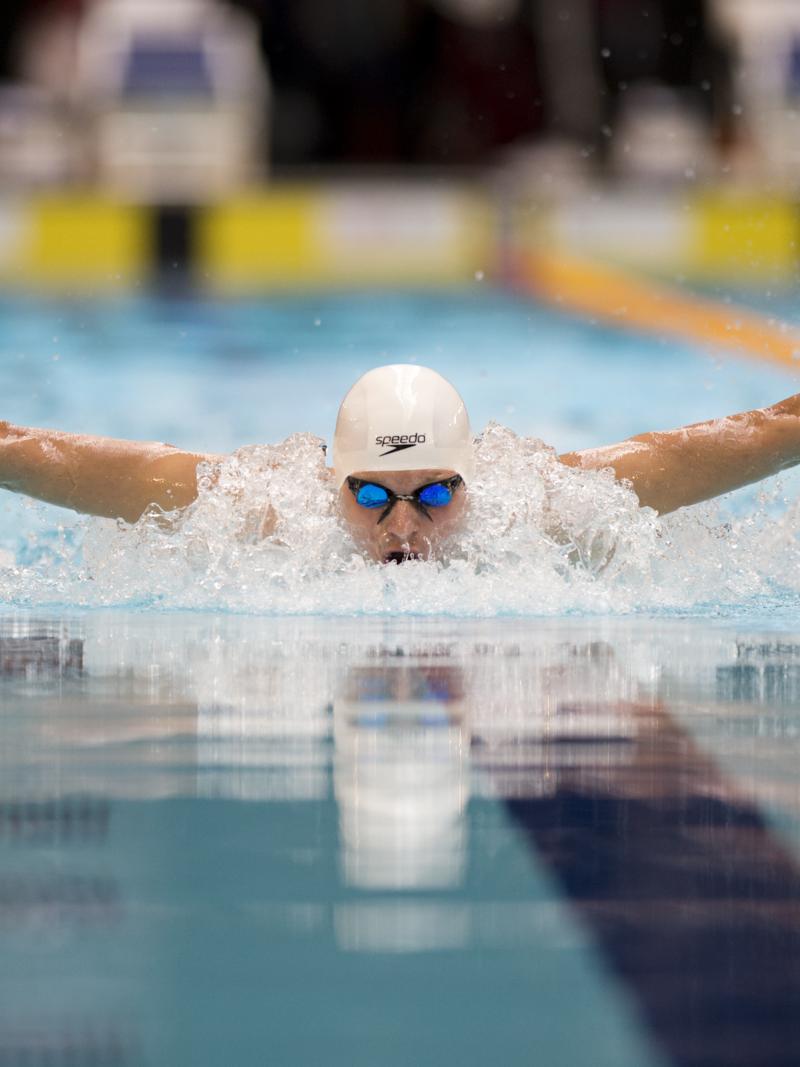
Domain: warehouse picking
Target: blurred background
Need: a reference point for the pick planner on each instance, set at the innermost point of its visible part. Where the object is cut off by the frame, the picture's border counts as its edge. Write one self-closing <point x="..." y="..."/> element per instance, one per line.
<point x="632" y="87"/>
<point x="525" y="103"/>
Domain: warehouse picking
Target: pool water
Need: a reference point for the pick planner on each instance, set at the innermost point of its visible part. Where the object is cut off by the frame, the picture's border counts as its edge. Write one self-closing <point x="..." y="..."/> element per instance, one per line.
<point x="261" y="805"/>
<point x="215" y="377"/>
<point x="249" y="840"/>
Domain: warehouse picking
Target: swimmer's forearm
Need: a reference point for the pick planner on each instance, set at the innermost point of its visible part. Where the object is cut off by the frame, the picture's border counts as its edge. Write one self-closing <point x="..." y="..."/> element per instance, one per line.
<point x="96" y="475"/>
<point x="675" y="468"/>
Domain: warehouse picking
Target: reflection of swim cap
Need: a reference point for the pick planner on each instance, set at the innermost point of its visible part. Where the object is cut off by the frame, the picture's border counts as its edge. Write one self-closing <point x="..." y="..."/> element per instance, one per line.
<point x="401" y="418"/>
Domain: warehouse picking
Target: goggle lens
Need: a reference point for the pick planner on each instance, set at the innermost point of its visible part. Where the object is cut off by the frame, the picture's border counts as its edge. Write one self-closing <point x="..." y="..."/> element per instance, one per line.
<point x="435" y="496"/>
<point x="372" y="496"/>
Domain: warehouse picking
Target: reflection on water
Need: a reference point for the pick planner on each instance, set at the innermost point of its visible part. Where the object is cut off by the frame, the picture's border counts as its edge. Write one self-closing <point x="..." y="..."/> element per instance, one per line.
<point x="691" y="898"/>
<point x="400" y="779"/>
<point x="55" y="820"/>
<point x="56" y="899"/>
<point x="583" y="815"/>
<point x="771" y="683"/>
<point x="72" y="1044"/>
<point x="39" y="652"/>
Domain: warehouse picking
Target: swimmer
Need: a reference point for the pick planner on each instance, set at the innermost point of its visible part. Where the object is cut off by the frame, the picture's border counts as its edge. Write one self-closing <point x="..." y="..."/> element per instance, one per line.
<point x="402" y="464"/>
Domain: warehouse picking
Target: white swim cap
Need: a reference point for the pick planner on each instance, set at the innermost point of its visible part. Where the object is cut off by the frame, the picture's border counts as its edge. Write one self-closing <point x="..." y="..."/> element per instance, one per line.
<point x="401" y="418"/>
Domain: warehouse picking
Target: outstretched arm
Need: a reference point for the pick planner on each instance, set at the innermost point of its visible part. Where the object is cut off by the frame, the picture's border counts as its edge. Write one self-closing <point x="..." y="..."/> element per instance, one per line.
<point x="671" y="469"/>
<point x="96" y="475"/>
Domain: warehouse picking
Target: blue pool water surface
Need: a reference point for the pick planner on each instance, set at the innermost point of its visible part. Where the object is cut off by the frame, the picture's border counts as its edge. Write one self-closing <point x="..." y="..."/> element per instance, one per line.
<point x="216" y="376"/>
<point x="213" y="376"/>
<point x="227" y="839"/>
<point x="343" y="820"/>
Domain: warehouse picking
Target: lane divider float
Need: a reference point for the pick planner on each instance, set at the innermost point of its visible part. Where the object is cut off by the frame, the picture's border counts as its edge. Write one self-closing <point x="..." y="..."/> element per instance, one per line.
<point x="614" y="296"/>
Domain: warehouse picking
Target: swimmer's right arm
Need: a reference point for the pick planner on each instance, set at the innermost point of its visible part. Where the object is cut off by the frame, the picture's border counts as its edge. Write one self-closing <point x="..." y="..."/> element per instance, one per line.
<point x="672" y="469"/>
<point x="97" y="475"/>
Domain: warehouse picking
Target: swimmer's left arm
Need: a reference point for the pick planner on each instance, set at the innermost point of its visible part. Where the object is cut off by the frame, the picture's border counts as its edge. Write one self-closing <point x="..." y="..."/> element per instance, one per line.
<point x="674" y="468"/>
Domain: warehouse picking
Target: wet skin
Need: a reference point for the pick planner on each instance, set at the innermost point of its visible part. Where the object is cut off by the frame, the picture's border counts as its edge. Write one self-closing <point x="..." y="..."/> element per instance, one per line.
<point x="405" y="533"/>
<point x="667" y="470"/>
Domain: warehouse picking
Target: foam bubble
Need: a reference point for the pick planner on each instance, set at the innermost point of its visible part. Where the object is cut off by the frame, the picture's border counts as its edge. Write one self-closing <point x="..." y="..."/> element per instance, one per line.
<point x="541" y="538"/>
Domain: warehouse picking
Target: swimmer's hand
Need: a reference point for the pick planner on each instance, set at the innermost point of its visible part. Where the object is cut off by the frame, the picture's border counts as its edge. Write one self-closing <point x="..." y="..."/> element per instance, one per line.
<point x="674" y="468"/>
<point x="97" y="475"/>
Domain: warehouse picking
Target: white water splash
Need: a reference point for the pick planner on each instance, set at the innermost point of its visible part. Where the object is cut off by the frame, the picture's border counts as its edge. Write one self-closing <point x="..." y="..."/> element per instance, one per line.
<point x="541" y="538"/>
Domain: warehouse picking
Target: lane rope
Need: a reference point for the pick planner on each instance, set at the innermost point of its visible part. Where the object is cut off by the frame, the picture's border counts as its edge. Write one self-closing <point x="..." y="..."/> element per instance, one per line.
<point x="614" y="296"/>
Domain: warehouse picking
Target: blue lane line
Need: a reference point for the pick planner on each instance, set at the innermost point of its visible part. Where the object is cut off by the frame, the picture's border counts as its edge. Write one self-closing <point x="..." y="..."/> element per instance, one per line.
<point x="692" y="900"/>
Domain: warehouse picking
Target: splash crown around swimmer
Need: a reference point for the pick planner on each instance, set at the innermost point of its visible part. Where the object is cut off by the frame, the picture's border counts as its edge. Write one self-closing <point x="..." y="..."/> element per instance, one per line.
<point x="402" y="464"/>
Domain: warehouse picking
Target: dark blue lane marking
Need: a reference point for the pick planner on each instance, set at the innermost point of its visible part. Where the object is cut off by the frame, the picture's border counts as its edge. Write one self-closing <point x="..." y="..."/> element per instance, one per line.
<point x="692" y="900"/>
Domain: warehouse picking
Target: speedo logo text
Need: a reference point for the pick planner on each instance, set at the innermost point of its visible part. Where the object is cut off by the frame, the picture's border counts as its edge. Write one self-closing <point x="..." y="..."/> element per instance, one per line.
<point x="398" y="441"/>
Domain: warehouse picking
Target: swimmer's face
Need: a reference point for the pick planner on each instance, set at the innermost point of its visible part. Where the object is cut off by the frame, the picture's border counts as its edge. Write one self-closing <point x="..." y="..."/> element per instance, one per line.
<point x="406" y="532"/>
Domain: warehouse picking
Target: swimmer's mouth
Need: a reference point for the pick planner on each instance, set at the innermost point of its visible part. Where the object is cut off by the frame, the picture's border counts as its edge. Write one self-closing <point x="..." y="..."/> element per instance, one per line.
<point x="400" y="557"/>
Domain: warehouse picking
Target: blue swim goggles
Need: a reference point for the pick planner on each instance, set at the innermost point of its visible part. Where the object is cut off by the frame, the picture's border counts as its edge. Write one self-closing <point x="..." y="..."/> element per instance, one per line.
<point x="430" y="495"/>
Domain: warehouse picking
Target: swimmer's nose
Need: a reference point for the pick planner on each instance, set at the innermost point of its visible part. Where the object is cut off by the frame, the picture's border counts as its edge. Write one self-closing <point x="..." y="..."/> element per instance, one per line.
<point x="402" y="521"/>
<point x="401" y="536"/>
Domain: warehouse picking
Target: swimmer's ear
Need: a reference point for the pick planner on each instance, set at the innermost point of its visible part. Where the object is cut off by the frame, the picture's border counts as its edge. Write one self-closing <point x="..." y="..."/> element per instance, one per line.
<point x="328" y="470"/>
